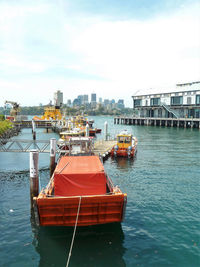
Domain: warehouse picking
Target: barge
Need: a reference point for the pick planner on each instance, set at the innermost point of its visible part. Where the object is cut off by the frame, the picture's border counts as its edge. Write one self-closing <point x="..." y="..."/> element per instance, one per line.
<point x="80" y="184"/>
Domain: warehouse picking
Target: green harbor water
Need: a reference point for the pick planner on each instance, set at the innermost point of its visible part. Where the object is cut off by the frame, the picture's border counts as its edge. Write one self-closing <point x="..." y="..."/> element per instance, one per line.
<point x="162" y="221"/>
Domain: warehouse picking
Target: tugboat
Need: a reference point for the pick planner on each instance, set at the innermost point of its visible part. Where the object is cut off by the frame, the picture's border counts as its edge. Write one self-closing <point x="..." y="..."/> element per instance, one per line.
<point x="126" y="145"/>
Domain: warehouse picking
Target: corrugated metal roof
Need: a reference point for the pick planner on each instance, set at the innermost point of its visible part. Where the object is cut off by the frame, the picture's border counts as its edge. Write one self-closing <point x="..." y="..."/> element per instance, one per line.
<point x="184" y="87"/>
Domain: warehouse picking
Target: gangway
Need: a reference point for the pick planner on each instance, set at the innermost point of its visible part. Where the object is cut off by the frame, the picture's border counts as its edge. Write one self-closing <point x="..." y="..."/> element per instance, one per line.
<point x="22" y="145"/>
<point x="170" y="110"/>
<point x="101" y="148"/>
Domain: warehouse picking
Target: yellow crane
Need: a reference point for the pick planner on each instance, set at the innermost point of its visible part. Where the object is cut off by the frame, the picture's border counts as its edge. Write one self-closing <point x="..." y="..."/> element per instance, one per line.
<point x="15" y="108"/>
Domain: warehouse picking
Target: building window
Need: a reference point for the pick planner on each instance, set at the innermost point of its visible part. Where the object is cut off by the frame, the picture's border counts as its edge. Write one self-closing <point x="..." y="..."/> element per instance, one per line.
<point x="176" y="100"/>
<point x="189" y="100"/>
<point x="197" y="99"/>
<point x="137" y="102"/>
<point x="155" y="101"/>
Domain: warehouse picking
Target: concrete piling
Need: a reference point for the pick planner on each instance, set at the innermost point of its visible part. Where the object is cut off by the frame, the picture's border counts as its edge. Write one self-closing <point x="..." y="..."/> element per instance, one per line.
<point x="52" y="155"/>
<point x="87" y="130"/>
<point x="34" y="174"/>
<point x="106" y="131"/>
<point x="33" y="130"/>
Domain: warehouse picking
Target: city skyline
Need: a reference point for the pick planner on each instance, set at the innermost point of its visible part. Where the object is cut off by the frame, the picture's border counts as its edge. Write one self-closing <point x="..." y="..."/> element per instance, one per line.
<point x="93" y="101"/>
<point x="111" y="48"/>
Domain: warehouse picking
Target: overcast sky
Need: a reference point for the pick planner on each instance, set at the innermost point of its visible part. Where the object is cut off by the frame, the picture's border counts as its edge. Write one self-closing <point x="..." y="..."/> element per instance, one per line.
<point x="109" y="47"/>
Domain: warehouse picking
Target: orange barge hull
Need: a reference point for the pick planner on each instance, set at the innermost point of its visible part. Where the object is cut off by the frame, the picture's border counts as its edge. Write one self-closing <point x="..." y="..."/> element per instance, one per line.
<point x="80" y="186"/>
<point x="62" y="211"/>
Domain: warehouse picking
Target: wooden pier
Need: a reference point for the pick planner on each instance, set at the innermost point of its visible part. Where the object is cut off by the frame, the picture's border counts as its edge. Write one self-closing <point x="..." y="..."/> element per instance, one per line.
<point x="54" y="125"/>
<point x="38" y="124"/>
<point x="165" y="122"/>
<point x="103" y="148"/>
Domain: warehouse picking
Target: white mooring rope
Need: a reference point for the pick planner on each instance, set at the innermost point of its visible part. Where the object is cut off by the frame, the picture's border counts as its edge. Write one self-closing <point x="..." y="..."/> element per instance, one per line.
<point x="72" y="242"/>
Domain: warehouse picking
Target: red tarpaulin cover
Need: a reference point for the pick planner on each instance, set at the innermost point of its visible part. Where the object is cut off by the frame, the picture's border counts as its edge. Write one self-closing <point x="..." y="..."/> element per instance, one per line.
<point x="79" y="175"/>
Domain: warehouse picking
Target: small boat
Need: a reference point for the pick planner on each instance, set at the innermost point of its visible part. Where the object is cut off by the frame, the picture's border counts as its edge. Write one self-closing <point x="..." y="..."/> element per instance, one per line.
<point x="92" y="131"/>
<point x="81" y="122"/>
<point x="76" y="146"/>
<point x="126" y="145"/>
<point x="98" y="130"/>
<point x="80" y="188"/>
<point x="72" y="133"/>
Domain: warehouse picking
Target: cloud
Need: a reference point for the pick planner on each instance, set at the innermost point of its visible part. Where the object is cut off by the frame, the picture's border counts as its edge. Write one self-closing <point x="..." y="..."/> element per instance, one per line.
<point x="142" y="52"/>
<point x="46" y="46"/>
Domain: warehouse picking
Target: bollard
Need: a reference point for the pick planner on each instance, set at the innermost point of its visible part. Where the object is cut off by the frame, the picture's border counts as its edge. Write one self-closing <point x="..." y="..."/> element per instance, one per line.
<point x="52" y="155"/>
<point x="106" y="131"/>
<point x="33" y="130"/>
<point x="34" y="175"/>
<point x="87" y="132"/>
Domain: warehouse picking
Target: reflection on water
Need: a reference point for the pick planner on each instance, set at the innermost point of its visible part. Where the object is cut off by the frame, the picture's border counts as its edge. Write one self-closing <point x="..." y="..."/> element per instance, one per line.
<point x="123" y="163"/>
<point x="93" y="246"/>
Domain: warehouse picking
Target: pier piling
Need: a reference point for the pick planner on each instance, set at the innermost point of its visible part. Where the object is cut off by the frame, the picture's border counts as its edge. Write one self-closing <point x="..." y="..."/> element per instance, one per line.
<point x="34" y="174"/>
<point x="87" y="131"/>
<point x="160" y="121"/>
<point x="106" y="131"/>
<point x="33" y="130"/>
<point x="52" y="155"/>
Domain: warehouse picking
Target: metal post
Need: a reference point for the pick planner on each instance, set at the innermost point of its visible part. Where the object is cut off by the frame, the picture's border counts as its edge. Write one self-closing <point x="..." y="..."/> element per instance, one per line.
<point x="106" y="131"/>
<point x="34" y="174"/>
<point x="52" y="155"/>
<point x="33" y="130"/>
<point x="87" y="133"/>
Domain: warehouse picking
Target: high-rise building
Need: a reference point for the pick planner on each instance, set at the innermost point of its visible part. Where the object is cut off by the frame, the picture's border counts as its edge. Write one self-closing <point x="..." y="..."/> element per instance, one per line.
<point x="120" y="103"/>
<point x="69" y="103"/>
<point x="76" y="102"/>
<point x="100" y="100"/>
<point x="106" y="102"/>
<point x="58" y="98"/>
<point x="85" y="99"/>
<point x="93" y="98"/>
<point x="80" y="99"/>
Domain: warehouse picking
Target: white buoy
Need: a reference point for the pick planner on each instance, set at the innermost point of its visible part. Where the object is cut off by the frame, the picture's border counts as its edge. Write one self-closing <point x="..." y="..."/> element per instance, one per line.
<point x="106" y="131"/>
<point x="52" y="155"/>
<point x="34" y="174"/>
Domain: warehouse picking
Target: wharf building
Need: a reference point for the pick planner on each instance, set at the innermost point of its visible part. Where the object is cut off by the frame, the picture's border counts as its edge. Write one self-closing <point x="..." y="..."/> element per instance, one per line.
<point x="178" y="107"/>
<point x="182" y="102"/>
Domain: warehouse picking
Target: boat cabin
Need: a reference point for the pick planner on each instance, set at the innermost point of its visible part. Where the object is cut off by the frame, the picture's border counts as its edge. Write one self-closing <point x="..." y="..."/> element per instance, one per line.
<point x="76" y="146"/>
<point x="124" y="139"/>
